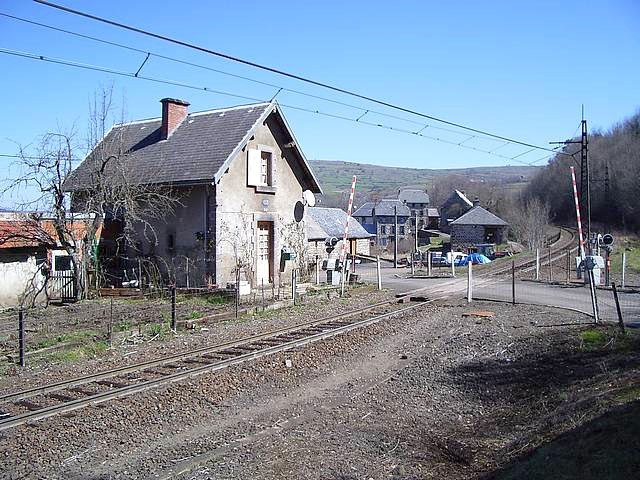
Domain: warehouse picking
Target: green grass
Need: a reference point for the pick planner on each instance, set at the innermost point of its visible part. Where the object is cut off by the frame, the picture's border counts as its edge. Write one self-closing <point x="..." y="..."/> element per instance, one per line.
<point x="158" y="330"/>
<point x="631" y="246"/>
<point x="74" y="354"/>
<point x="213" y="299"/>
<point x="123" y="326"/>
<point x="81" y="337"/>
<point x="194" y="315"/>
<point x="594" y="339"/>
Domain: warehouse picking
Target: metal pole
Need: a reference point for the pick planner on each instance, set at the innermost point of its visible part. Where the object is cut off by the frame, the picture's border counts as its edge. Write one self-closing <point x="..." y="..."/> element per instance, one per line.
<point x="453" y="266"/>
<point x="550" y="267"/>
<point x="237" y="299"/>
<point x="378" y="272"/>
<point x="568" y="266"/>
<point x="469" y="283"/>
<point x="429" y="264"/>
<point x="293" y="285"/>
<point x="317" y="271"/>
<point x="615" y="296"/>
<point x="263" y="305"/>
<point x="173" y="308"/>
<point x="187" y="260"/>
<point x="513" y="282"/>
<point x="607" y="268"/>
<point x="111" y="324"/>
<point x="624" y="266"/>
<point x="416" y="239"/>
<point x="537" y="264"/>
<point x="21" y="338"/>
<point x="594" y="298"/>
<point x="395" y="236"/>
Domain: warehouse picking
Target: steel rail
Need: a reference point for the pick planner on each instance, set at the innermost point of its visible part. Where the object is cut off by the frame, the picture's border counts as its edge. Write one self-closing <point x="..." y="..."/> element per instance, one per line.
<point x="97" y="398"/>
<point x="74" y="382"/>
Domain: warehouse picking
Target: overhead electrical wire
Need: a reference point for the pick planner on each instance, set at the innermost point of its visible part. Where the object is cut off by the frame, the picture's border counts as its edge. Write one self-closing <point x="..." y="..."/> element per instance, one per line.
<point x="70" y="63"/>
<point x="230" y="74"/>
<point x="286" y="74"/>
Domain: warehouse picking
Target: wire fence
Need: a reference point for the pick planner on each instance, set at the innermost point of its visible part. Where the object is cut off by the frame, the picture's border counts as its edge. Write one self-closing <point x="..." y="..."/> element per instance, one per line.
<point x="555" y="283"/>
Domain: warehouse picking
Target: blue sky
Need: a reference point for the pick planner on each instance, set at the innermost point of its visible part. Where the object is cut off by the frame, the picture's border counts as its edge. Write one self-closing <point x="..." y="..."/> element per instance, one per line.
<point x="517" y="69"/>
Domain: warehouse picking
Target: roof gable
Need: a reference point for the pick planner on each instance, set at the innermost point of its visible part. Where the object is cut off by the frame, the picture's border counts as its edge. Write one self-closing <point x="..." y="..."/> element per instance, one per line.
<point x="383" y="208"/>
<point x="198" y="151"/>
<point x="413" y="195"/>
<point x="479" y="216"/>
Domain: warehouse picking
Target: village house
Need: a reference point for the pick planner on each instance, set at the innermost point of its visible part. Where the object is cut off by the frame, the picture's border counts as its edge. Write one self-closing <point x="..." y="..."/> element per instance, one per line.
<point x="453" y="207"/>
<point x="477" y="226"/>
<point x="379" y="219"/>
<point x="239" y="173"/>
<point x="323" y="223"/>
<point x="418" y="202"/>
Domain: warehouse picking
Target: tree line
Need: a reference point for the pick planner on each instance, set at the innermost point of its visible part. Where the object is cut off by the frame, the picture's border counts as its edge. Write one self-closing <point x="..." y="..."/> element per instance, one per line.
<point x="612" y="154"/>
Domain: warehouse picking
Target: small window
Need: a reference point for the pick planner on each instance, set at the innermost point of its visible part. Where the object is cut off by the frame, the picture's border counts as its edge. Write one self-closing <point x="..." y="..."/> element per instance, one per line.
<point x="261" y="169"/>
<point x="265" y="168"/>
<point x="62" y="263"/>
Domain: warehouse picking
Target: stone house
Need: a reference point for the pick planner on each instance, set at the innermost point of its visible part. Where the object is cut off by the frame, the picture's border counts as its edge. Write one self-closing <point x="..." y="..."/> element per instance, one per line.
<point x="477" y="225"/>
<point x="239" y="173"/>
<point x="378" y="218"/>
<point x="454" y="206"/>
<point x="418" y="202"/>
<point x="322" y="223"/>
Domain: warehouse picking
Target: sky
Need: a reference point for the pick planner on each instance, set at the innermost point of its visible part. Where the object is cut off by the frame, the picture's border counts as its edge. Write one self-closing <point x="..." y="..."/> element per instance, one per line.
<point x="520" y="70"/>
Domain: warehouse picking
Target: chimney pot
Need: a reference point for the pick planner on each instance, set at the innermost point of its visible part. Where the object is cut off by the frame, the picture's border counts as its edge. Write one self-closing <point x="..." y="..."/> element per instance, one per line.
<point x="174" y="111"/>
<point x="476" y="202"/>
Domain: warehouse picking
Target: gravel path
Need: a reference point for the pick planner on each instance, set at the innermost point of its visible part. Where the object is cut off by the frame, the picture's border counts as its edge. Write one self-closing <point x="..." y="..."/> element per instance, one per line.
<point x="430" y="394"/>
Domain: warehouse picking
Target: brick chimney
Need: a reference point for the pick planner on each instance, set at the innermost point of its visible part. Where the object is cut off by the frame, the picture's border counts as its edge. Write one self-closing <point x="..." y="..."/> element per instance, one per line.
<point x="476" y="202"/>
<point x="173" y="112"/>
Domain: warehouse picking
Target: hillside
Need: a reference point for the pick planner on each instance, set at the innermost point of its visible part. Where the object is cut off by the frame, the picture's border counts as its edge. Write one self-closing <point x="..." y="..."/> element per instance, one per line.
<point x="375" y="180"/>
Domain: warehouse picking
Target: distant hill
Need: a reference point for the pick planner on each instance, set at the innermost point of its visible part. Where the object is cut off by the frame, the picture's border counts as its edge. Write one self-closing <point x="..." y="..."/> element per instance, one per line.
<point x="378" y="181"/>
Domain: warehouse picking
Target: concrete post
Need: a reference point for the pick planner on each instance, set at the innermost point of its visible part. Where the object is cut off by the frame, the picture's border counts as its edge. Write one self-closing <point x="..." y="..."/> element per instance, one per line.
<point x="469" y="283"/>
<point x="624" y="267"/>
<point x="379" y="274"/>
<point x="537" y="264"/>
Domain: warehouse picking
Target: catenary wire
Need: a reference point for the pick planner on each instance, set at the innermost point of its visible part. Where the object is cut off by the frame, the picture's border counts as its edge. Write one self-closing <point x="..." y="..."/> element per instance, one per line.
<point x="111" y="71"/>
<point x="233" y="75"/>
<point x="283" y="73"/>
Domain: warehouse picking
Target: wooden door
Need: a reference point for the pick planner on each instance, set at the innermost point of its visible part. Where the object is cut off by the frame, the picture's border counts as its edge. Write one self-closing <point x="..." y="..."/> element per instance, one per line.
<point x="265" y="253"/>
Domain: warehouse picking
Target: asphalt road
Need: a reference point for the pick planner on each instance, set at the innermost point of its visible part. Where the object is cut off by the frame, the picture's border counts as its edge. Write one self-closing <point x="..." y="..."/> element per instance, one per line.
<point x="574" y="296"/>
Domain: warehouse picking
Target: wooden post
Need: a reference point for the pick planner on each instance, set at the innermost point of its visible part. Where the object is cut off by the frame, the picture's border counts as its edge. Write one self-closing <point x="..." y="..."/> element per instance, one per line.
<point x="615" y="296"/>
<point x="469" y="283"/>
<point x="173" y="308"/>
<point x="537" y="264"/>
<point x="513" y="282"/>
<point x="21" y="339"/>
<point x="624" y="266"/>
<point x="378" y="272"/>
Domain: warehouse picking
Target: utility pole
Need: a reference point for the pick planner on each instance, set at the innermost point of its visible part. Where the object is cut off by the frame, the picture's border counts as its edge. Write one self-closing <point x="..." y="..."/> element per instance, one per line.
<point x="585" y="195"/>
<point x="395" y="236"/>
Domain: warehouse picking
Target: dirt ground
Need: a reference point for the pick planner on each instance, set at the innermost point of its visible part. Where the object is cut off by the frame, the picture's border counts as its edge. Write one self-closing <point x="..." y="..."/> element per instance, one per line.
<point x="429" y="394"/>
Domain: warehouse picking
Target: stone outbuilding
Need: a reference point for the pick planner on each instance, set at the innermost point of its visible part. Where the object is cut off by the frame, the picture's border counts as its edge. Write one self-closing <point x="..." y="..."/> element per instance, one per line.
<point x="478" y="225"/>
<point x="322" y="223"/>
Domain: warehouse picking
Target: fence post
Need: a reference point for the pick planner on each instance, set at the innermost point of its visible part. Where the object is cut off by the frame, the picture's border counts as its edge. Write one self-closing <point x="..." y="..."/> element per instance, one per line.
<point x="537" y="264"/>
<point x="550" y="267"/>
<point x="21" y="338"/>
<point x="237" y="299"/>
<point x="378" y="273"/>
<point x="624" y="266"/>
<point x="293" y="285"/>
<point x="413" y="268"/>
<point x="317" y="271"/>
<point x="263" y="305"/>
<point x="513" y="282"/>
<point x="568" y="266"/>
<point x="429" y="263"/>
<point x="173" y="308"/>
<point x="111" y="324"/>
<point x="469" y="283"/>
<point x="615" y="297"/>
<point x="453" y="266"/>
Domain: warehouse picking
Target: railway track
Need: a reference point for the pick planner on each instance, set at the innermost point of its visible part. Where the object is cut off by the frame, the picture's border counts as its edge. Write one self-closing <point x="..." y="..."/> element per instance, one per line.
<point x="53" y="399"/>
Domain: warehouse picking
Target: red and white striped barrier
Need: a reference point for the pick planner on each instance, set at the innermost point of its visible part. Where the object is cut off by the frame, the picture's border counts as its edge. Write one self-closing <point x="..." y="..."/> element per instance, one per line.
<point x="346" y="223"/>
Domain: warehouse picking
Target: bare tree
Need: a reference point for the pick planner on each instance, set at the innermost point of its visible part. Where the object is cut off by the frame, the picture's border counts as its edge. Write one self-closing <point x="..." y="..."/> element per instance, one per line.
<point x="104" y="187"/>
<point x="529" y="223"/>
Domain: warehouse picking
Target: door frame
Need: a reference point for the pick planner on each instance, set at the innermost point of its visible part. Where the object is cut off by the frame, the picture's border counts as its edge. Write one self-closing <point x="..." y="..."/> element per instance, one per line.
<point x="270" y="253"/>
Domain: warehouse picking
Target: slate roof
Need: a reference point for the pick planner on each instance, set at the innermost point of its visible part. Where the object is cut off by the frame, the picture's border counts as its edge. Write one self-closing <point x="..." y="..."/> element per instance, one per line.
<point x="479" y="216"/>
<point x="196" y="151"/>
<point x="325" y="222"/>
<point x="383" y="208"/>
<point x="411" y="195"/>
<point x="433" y="212"/>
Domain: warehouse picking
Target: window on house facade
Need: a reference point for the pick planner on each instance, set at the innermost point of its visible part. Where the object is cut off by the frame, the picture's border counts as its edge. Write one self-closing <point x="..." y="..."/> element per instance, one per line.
<point x="261" y="169"/>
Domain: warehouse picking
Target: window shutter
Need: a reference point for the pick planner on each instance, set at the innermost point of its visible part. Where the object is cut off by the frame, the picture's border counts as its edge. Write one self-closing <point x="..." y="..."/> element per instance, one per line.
<point x="253" y="167"/>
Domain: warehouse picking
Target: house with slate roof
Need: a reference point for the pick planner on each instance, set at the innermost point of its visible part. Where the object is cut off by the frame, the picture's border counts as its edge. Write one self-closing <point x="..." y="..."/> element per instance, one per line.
<point x="477" y="225"/>
<point x="456" y="205"/>
<point x="418" y="202"/>
<point x="322" y="223"/>
<point x="378" y="218"/>
<point x="240" y="173"/>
